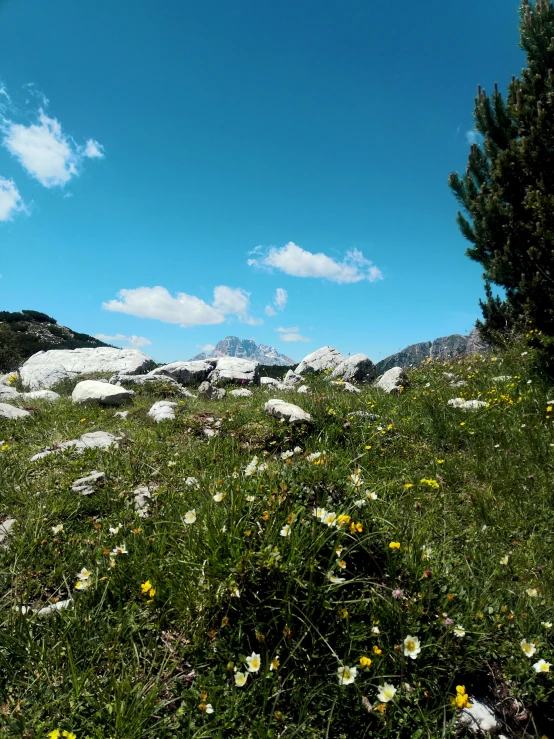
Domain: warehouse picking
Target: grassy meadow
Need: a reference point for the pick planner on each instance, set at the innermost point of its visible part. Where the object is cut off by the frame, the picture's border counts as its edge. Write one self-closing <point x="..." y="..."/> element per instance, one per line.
<point x="333" y="580"/>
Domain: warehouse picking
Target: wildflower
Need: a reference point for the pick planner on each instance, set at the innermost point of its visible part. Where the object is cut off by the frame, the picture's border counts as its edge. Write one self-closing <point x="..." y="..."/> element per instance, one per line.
<point x="459" y="631"/>
<point x="145" y="587"/>
<point x="190" y="516"/>
<point x="218" y="497"/>
<point x="254" y="662"/>
<point x="356" y="528"/>
<point x="330" y="518"/>
<point x="54" y="734"/>
<point x="240" y="679"/>
<point x="448" y="622"/>
<point x="377" y="650"/>
<point x="368" y="447"/>
<point x="82" y="420"/>
<point x="461" y="699"/>
<point x="250" y="498"/>
<point x="394" y="545"/>
<point x="342" y="519"/>
<point x="114" y="529"/>
<point x="365" y="662"/>
<point x="121" y="549"/>
<point x="371" y="496"/>
<point x="360" y="503"/>
<point x="375" y="630"/>
<point x="313" y="456"/>
<point x="355" y="479"/>
<point x="386" y="692"/>
<point x="346" y="675"/>
<point x="542" y="666"/>
<point x="528" y="648"/>
<point x="206" y="707"/>
<point x="297" y="450"/>
<point x="409" y="485"/>
<point x="411" y="647"/>
<point x="428" y="573"/>
<point x="397" y="594"/>
<point x="532" y="592"/>
<point x="191" y="482"/>
<point x="82" y="584"/>
<point x="171" y="463"/>
<point x="251" y="467"/>
<point x="546" y="624"/>
<point x="4" y="447"/>
<point x="504" y="559"/>
<point x="287" y="454"/>
<point x="334" y="579"/>
<point x="274" y="664"/>
<point x="285" y="531"/>
<point x="426" y="552"/>
<point x="433" y="484"/>
<point x="440" y="461"/>
<point x="57" y="530"/>
<point x="68" y="734"/>
<point x="235" y="592"/>
<point x="84" y="574"/>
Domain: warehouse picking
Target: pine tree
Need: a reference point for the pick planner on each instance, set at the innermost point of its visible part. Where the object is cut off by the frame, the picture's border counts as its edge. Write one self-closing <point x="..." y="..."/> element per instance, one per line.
<point x="507" y="191"/>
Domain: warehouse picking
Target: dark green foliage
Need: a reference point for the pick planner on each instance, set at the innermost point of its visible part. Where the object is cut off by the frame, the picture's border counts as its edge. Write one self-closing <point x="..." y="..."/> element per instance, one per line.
<point x="36" y="315"/>
<point x="507" y="191"/>
<point x="274" y="370"/>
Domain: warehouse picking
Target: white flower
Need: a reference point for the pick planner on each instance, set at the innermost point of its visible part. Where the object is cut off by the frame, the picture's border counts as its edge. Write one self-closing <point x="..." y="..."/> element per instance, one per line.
<point x="528" y="648"/>
<point x="355" y="479"/>
<point x="285" y="531"/>
<point x="375" y="630"/>
<point x="346" y="675"/>
<point x="250" y="498"/>
<point x="287" y="454"/>
<point x="121" y="549"/>
<point x="532" y="592"/>
<point x="411" y="647"/>
<point x="171" y="464"/>
<point x="82" y="584"/>
<point x="330" y="518"/>
<point x="386" y="692"/>
<point x="371" y="495"/>
<point x="114" y="529"/>
<point x="341" y="563"/>
<point x="313" y="456"/>
<point x="251" y="467"/>
<point x="209" y="708"/>
<point x="235" y="592"/>
<point x="297" y="450"/>
<point x="240" y="679"/>
<point x="112" y="562"/>
<point x="426" y="552"/>
<point x="459" y="631"/>
<point x="546" y="624"/>
<point x="191" y="482"/>
<point x="254" y="662"/>
<point x="190" y="516"/>
<point x="320" y="513"/>
<point x="263" y="467"/>
<point x="504" y="559"/>
<point x="218" y="497"/>
<point x="57" y="529"/>
<point x="84" y="574"/>
<point x="334" y="579"/>
<point x="542" y="666"/>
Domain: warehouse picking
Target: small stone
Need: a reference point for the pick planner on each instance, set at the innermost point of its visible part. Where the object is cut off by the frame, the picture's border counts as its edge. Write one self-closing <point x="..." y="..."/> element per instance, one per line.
<point x="460" y="383"/>
<point x="91" y="440"/>
<point x="209" y="432"/>
<point x="85" y="485"/>
<point x="502" y="378"/>
<point x="466" y="405"/>
<point x="235" y="370"/>
<point x="41" y="395"/>
<point x="479" y="718"/>
<point x="11" y="412"/>
<point x="52" y="608"/>
<point x="8" y="393"/>
<point x="365" y="414"/>
<point x="392" y="380"/>
<point x="92" y="392"/>
<point x="163" y="410"/>
<point x="5" y="531"/>
<point x="241" y="392"/>
<point x="142" y="497"/>
<point x="121" y="414"/>
<point x="290" y="412"/>
<point x="303" y="389"/>
<point x="269" y="381"/>
<point x="209" y="391"/>
<point x="291" y="378"/>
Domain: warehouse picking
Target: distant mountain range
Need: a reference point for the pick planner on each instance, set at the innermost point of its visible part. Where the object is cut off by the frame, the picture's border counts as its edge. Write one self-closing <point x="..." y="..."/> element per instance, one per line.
<point x="232" y="346"/>
<point x="24" y="333"/>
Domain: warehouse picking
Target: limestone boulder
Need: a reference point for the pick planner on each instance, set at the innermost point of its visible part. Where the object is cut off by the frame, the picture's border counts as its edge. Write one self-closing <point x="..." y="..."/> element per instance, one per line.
<point x="288" y="411"/>
<point x="241" y="392"/>
<point x="91" y="440"/>
<point x="86" y="485"/>
<point x="393" y="380"/>
<point x="358" y="368"/>
<point x="92" y="392"/>
<point x="149" y="378"/>
<point x="163" y="410"/>
<point x="41" y="395"/>
<point x="209" y="391"/>
<point x="291" y="379"/>
<point x="5" y="531"/>
<point x="45" y="369"/>
<point x="235" y="370"/>
<point x="322" y="359"/>
<point x="185" y="372"/>
<point x="8" y="393"/>
<point x="346" y="386"/>
<point x="11" y="412"/>
<point x="467" y="405"/>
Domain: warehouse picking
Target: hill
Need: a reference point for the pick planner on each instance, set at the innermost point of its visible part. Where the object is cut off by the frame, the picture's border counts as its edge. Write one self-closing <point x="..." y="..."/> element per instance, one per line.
<point x="232" y="346"/>
<point x="24" y="333"/>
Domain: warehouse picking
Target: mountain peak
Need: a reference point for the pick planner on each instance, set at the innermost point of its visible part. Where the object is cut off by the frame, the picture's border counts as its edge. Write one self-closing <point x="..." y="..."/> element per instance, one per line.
<point x="232" y="346"/>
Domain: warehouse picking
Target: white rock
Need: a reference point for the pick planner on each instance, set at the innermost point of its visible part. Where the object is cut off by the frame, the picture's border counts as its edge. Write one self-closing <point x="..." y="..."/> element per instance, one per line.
<point x="41" y="395"/>
<point x="5" y="379"/>
<point x="479" y="719"/>
<point x="234" y="369"/>
<point x="448" y="375"/>
<point x="358" y="368"/>
<point x="502" y="378"/>
<point x="346" y="386"/>
<point x="241" y="392"/>
<point x="459" y="383"/>
<point x="194" y="371"/>
<point x="269" y="381"/>
<point x="120" y="379"/>
<point x="290" y="412"/>
<point x="52" y="608"/>
<point x="142" y="497"/>
<point x="322" y="359"/>
<point x="45" y="369"/>
<point x="291" y="378"/>
<point x="192" y="482"/>
<point x="550" y="402"/>
<point x="121" y="414"/>
<point x="209" y="391"/>
<point x="10" y="411"/>
<point x="163" y="410"/>
<point x="92" y="392"/>
<point x="8" y="393"/>
<point x="466" y="405"/>
<point x="303" y="389"/>
<point x="85" y="485"/>
<point x="5" y="530"/>
<point x="392" y="380"/>
<point x="91" y="440"/>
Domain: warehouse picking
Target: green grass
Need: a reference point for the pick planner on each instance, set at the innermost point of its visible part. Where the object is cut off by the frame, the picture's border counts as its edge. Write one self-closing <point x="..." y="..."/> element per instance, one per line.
<point x="120" y="664"/>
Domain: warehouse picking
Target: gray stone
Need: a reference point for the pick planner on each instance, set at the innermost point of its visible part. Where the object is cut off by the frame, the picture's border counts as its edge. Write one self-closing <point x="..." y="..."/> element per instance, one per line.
<point x="53" y="608"/>
<point x="45" y="369"/>
<point x="290" y="412"/>
<point x="209" y="391"/>
<point x="119" y="379"/>
<point x="322" y="359"/>
<point x="8" y="393"/>
<point x="91" y="440"/>
<point x="185" y="372"/>
<point x="291" y="378"/>
<point x="269" y="381"/>
<point x="92" y="392"/>
<point x="502" y="378"/>
<point x="41" y="395"/>
<point x="357" y="368"/>
<point x="5" y="531"/>
<point x="209" y="432"/>
<point x="346" y="386"/>
<point x="459" y="383"/>
<point x="5" y="379"/>
<point x="303" y="389"/>
<point x="479" y="719"/>
<point x="121" y="414"/>
<point x="85" y="485"/>
<point x="234" y="370"/>
<point x="163" y="410"/>
<point x="142" y="497"/>
<point x="10" y="411"/>
<point x="467" y="405"/>
<point x="241" y="392"/>
<point x="393" y="380"/>
<point x="365" y="414"/>
<point x="448" y="347"/>
<point x="476" y="344"/>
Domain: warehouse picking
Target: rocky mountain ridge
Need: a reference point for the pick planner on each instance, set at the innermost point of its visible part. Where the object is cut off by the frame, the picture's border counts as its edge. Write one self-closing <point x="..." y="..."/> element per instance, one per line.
<point x="232" y="346"/>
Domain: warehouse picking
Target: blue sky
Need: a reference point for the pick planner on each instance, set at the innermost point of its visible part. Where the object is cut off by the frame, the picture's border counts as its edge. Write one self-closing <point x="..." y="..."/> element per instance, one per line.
<point x="177" y="172"/>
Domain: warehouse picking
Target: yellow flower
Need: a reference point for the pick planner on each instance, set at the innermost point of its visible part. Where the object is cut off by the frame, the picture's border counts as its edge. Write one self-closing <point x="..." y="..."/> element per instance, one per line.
<point x="82" y="420"/>
<point x="394" y="545"/>
<point x="376" y="650"/>
<point x="145" y="587"/>
<point x="342" y="519"/>
<point x="274" y="665"/>
<point x="365" y="662"/>
<point x="433" y="484"/>
<point x="368" y="447"/>
<point x="68" y="734"/>
<point x="409" y="485"/>
<point x="54" y="734"/>
<point x="440" y="461"/>
<point x="4" y="447"/>
<point x="461" y="699"/>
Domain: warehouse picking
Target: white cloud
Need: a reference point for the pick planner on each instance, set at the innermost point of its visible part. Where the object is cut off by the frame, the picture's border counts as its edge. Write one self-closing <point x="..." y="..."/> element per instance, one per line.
<point x="186" y="310"/>
<point x="291" y="330"/>
<point x="291" y="334"/>
<point x="206" y="347"/>
<point x="293" y="260"/>
<point x="270" y="311"/>
<point x="11" y="201"/>
<point x="45" y="151"/>
<point x="93" y="150"/>
<point x="279" y="302"/>
<point x="135" y="341"/>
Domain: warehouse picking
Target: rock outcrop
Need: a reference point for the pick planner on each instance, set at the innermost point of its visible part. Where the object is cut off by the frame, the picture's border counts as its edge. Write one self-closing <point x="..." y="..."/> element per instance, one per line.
<point x="92" y="392"/>
<point x="322" y="359"/>
<point x="288" y="411"/>
<point x="358" y="368"/>
<point x="232" y="346"/>
<point x="393" y="380"/>
<point x="446" y="347"/>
